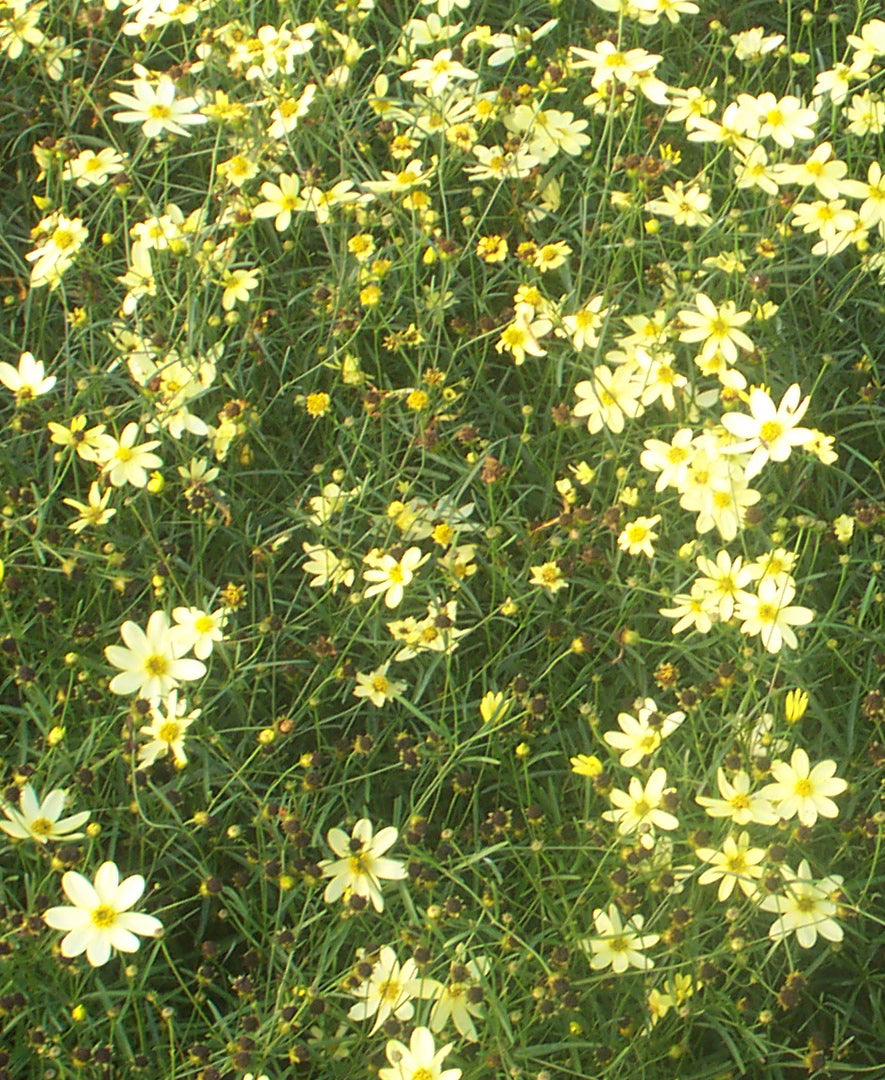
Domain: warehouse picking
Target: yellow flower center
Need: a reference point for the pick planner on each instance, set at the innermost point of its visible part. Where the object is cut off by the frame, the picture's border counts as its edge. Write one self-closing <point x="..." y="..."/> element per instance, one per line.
<point x="806" y="904"/>
<point x="391" y="991"/>
<point x="156" y="665"/>
<point x="205" y="624"/>
<point x="159" y="112"/>
<point x="770" y="431"/>
<point x="739" y="802"/>
<point x="123" y="453"/>
<point x="41" y="826"/>
<point x="619" y="944"/>
<point x="103" y="917"/>
<point x="380" y="685"/>
<point x="736" y="864"/>
<point x="803" y="787"/>
<point x="169" y="732"/>
<point x="62" y="239"/>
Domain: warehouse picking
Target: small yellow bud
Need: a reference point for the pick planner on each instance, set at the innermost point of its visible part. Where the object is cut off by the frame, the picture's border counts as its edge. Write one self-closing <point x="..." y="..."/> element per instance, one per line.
<point x="493" y="706"/>
<point x="266" y="736"/>
<point x="523" y="750"/>
<point x="78" y="1014"/>
<point x="55" y="736"/>
<point x="155" y="483"/>
<point x="795" y="704"/>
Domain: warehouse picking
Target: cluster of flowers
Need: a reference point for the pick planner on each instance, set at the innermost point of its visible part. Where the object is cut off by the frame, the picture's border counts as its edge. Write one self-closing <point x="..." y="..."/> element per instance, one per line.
<point x="799" y="790"/>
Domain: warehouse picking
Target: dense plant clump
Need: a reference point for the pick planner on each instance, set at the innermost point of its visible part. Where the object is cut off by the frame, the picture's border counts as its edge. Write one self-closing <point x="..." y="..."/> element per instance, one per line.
<point x="442" y="540"/>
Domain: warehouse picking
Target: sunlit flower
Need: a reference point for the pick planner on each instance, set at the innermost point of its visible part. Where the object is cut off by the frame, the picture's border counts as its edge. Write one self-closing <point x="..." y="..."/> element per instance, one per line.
<point x="360" y="865"/>
<point x="389" y="576"/>
<point x="198" y="630"/>
<point x="151" y="665"/>
<point x="95" y="512"/>
<point x="124" y="462"/>
<point x="28" y="380"/>
<point x="637" y="537"/>
<point x="806" y="909"/>
<point x="388" y="990"/>
<point x="770" y="615"/>
<point x="420" y="1060"/>
<point x="641" y="808"/>
<point x="737" y="801"/>
<point x="376" y="687"/>
<point x="155" y="107"/>
<point x="802" y="790"/>
<point x="100" y="920"/>
<point x="460" y="999"/>
<point x="736" y="864"/>
<point x="619" y="945"/>
<point x="549" y="576"/>
<point x="642" y="734"/>
<point x="166" y="732"/>
<point x="40" y="820"/>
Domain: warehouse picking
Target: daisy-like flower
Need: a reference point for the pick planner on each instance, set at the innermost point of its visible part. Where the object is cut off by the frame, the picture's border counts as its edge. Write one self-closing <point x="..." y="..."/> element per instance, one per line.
<point x="549" y="576"/>
<point x="84" y="441"/>
<point x="638" y="536"/>
<point x="125" y="463"/>
<point x="770" y="432"/>
<point x="91" y="168"/>
<point x="618" y="945"/>
<point x="237" y="285"/>
<point x="389" y="576"/>
<point x="39" y="820"/>
<point x="435" y="75"/>
<point x="154" y="107"/>
<point x="59" y="240"/>
<point x="420" y="1060"/>
<point x="198" y="630"/>
<point x="100" y="920"/>
<point x="360" y="865"/>
<point x="376" y="687"/>
<point x="151" y="665"/>
<point x="685" y="205"/>
<point x="460" y="999"/>
<point x="166" y="732"/>
<point x="27" y="381"/>
<point x="388" y="990"/>
<point x="803" y="791"/>
<point x="609" y="398"/>
<point x="281" y="200"/>
<point x="717" y="327"/>
<point x="723" y="582"/>
<point x="692" y="610"/>
<point x="736" y="864"/>
<point x="94" y="512"/>
<point x="641" y="809"/>
<point x="770" y="615"/>
<point x="806" y="909"/>
<point x="327" y="570"/>
<point x="642" y="734"/>
<point x="737" y="802"/>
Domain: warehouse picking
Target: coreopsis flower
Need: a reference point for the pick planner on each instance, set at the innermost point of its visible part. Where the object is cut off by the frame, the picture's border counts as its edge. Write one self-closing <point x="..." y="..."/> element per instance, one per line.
<point x="155" y="107"/>
<point x="685" y="205"/>
<point x="717" y="327"/>
<point x="619" y="945"/>
<point x="85" y="441"/>
<point x="237" y="285"/>
<point x="100" y="920"/>
<point x="435" y="74"/>
<point x="124" y="462"/>
<point x="641" y="809"/>
<point x="806" y="908"/>
<point x="691" y="610"/>
<point x="94" y="512"/>
<point x="770" y="432"/>
<point x="40" y="819"/>
<point x="770" y="615"/>
<point x="637" y="537"/>
<point x="736" y="864"/>
<point x="723" y="582"/>
<point x="281" y="200"/>
<point x="803" y="791"/>
<point x="388" y="991"/>
<point x="670" y="460"/>
<point x="420" y="1060"/>
<point x="610" y="397"/>
<point x="586" y="765"/>
<point x="520" y="337"/>
<point x="582" y="327"/>
<point x="198" y="630"/>
<point x="28" y="381"/>
<point x="549" y="576"/>
<point x="166" y="732"/>
<point x="460" y="999"/>
<point x="376" y="687"/>
<point x="361" y="865"/>
<point x="390" y="576"/>
<point x="59" y="240"/>
<point x="89" y="167"/>
<point x="737" y="801"/>
<point x="327" y="570"/>
<point x="151" y="665"/>
<point x="642" y="734"/>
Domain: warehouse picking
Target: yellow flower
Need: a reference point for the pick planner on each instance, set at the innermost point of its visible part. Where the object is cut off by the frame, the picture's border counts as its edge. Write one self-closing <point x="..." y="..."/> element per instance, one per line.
<point x="795" y="704"/>
<point x="317" y="405"/>
<point x="586" y="765"/>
